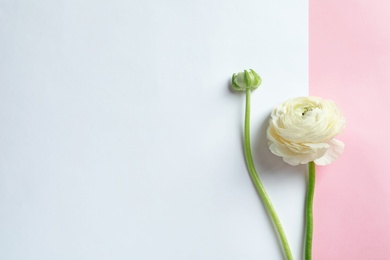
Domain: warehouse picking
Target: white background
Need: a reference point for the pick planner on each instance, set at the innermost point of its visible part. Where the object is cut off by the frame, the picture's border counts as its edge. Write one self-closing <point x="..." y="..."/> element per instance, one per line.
<point x="119" y="136"/>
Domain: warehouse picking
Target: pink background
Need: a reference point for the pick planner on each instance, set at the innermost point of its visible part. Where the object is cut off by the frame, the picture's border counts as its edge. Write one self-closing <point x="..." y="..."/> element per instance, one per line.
<point x="349" y="61"/>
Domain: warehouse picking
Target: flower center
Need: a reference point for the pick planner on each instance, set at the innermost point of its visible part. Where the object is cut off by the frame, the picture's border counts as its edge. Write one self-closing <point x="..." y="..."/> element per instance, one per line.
<point x="305" y="110"/>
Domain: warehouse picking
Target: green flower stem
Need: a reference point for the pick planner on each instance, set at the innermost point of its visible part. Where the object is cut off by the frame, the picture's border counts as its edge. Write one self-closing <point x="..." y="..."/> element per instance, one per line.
<point x="257" y="183"/>
<point x="309" y="210"/>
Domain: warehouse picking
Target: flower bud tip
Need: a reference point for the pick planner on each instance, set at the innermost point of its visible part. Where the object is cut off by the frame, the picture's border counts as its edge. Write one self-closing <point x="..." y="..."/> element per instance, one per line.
<point x="246" y="80"/>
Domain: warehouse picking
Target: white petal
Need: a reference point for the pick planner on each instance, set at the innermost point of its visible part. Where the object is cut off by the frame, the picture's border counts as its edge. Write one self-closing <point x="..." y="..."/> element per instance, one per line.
<point x="335" y="149"/>
<point x="317" y="151"/>
<point x="294" y="161"/>
<point x="280" y="150"/>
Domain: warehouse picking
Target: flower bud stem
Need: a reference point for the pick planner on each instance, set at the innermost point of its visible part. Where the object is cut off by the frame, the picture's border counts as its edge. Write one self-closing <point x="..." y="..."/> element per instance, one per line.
<point x="257" y="183"/>
<point x="309" y="210"/>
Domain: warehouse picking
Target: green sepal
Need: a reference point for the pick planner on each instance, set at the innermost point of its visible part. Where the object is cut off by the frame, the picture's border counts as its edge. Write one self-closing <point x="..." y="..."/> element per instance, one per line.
<point x="246" y="80"/>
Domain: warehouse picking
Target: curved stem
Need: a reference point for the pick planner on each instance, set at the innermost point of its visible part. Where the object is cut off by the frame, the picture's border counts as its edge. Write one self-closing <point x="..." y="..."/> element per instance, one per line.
<point x="309" y="210"/>
<point x="257" y="183"/>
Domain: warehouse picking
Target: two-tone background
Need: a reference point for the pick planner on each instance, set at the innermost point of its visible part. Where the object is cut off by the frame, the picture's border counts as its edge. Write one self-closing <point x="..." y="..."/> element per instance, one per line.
<point x="120" y="138"/>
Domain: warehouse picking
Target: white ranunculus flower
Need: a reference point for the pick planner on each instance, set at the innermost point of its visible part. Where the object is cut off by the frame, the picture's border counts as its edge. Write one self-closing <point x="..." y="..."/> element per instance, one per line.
<point x="303" y="129"/>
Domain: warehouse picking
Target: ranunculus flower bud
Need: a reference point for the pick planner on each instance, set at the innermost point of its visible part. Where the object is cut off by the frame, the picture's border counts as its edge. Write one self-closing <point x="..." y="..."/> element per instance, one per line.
<point x="246" y="80"/>
<point x="302" y="130"/>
